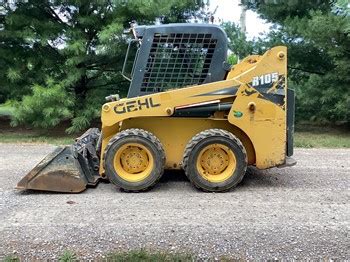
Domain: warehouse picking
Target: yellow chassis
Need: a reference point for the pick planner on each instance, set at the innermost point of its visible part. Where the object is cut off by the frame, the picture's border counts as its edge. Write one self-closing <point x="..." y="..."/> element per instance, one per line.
<point x="258" y="122"/>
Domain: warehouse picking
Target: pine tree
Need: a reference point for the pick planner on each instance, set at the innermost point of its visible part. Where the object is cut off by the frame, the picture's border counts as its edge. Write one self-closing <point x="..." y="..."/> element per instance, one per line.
<point x="317" y="34"/>
<point x="60" y="58"/>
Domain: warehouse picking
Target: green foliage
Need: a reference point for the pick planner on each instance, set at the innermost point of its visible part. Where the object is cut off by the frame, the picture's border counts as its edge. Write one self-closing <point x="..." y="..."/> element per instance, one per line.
<point x="6" y="110"/>
<point x="75" y="49"/>
<point x="79" y="46"/>
<point x="143" y="255"/>
<point x="11" y="258"/>
<point x="238" y="42"/>
<point x="68" y="256"/>
<point x="318" y="40"/>
<point x="45" y="108"/>
<point x="232" y="59"/>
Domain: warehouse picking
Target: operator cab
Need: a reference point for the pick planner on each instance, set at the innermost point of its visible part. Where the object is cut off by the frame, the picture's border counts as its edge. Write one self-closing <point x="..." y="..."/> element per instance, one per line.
<point x="174" y="56"/>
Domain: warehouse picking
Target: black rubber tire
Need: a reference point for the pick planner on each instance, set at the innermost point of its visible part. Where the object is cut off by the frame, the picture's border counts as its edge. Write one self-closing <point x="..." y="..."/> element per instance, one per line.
<point x="135" y="136"/>
<point x="203" y="139"/>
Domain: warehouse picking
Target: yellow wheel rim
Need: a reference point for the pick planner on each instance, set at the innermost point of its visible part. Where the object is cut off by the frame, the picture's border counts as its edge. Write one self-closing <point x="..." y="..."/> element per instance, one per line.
<point x="133" y="162"/>
<point x="216" y="163"/>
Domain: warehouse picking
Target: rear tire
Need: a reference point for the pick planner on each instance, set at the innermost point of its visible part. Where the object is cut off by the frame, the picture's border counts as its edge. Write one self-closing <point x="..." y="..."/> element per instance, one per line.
<point x="215" y="160"/>
<point x="134" y="160"/>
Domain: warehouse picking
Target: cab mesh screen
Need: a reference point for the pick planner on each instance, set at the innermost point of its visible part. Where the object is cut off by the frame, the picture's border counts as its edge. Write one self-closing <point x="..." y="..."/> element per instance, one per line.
<point x="178" y="60"/>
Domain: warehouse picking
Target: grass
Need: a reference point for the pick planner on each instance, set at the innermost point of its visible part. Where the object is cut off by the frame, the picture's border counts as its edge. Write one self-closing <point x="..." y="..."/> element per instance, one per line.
<point x="11" y="258"/>
<point x="321" y="137"/>
<point x="130" y="256"/>
<point x="56" y="136"/>
<point x="35" y="138"/>
<point x="148" y="256"/>
<point x="68" y="256"/>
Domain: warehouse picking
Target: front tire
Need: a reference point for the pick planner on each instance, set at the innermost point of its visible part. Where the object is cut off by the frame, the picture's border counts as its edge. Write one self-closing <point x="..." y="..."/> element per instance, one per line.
<point x="215" y="160"/>
<point x="134" y="160"/>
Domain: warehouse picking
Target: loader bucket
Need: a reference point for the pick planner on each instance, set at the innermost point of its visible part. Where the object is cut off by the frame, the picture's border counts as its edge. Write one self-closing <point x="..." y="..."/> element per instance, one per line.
<point x="68" y="169"/>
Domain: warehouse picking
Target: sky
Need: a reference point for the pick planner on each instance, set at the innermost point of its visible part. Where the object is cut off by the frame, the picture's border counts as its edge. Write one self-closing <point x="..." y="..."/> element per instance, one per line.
<point x="229" y="10"/>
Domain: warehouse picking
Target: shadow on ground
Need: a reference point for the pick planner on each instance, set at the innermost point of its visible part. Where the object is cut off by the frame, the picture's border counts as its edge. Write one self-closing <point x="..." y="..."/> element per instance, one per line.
<point x="254" y="178"/>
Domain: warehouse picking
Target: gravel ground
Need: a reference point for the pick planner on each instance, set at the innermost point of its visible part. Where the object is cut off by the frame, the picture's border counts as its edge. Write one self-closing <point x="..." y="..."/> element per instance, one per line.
<point x="294" y="213"/>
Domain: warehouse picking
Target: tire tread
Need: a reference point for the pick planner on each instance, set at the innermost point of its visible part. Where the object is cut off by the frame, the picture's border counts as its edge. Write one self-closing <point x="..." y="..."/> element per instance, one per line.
<point x="145" y="134"/>
<point x="203" y="135"/>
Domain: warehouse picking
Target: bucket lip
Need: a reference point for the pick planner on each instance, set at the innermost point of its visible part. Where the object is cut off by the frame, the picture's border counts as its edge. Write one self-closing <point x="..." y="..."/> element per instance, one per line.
<point x="20" y="187"/>
<point x="23" y="183"/>
<point x="64" y="163"/>
<point x="26" y="183"/>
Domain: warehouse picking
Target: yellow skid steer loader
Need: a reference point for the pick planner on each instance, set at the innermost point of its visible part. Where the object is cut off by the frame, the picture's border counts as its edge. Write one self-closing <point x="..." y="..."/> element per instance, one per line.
<point x="186" y="109"/>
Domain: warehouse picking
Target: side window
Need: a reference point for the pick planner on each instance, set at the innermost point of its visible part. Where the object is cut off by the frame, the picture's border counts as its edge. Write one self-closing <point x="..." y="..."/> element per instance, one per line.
<point x="177" y="60"/>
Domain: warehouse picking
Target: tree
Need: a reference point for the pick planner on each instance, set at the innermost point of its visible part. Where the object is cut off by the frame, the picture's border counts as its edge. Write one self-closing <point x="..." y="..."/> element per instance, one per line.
<point x="239" y="44"/>
<point x="317" y="34"/>
<point x="60" y="58"/>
